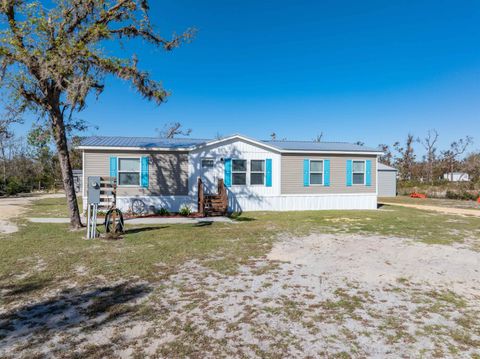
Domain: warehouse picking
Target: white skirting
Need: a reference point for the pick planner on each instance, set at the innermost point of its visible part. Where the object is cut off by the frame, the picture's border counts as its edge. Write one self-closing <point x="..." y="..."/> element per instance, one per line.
<point x="238" y="203"/>
<point x="303" y="203"/>
<point x="171" y="203"/>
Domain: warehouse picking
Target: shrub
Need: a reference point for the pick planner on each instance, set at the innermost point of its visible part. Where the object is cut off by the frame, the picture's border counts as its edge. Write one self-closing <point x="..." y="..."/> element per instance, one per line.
<point x="463" y="195"/>
<point x="185" y="210"/>
<point x="14" y="186"/>
<point x="163" y="212"/>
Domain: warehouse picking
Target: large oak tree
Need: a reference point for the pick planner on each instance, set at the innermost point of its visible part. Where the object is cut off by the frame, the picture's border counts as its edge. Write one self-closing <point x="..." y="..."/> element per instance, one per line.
<point x="53" y="58"/>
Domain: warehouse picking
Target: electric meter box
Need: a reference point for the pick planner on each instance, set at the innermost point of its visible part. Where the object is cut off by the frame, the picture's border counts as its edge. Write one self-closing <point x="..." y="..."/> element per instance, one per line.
<point x="93" y="192"/>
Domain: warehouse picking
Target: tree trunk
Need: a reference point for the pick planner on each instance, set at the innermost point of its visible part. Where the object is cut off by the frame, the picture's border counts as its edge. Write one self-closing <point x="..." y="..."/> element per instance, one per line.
<point x="430" y="171"/>
<point x="66" y="168"/>
<point x="451" y="171"/>
<point x="4" y="164"/>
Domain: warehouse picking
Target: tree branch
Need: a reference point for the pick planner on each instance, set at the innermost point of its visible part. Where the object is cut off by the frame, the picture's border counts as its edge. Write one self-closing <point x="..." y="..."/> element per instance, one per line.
<point x="133" y="32"/>
<point x="150" y="89"/>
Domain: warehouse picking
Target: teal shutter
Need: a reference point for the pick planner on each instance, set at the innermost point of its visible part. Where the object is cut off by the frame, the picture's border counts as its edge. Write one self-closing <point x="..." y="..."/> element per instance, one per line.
<point x="306" y="173"/>
<point x="113" y="168"/>
<point x="268" y="172"/>
<point x="228" y="172"/>
<point x="326" y="173"/>
<point x="349" y="173"/>
<point x="368" y="170"/>
<point x="144" y="172"/>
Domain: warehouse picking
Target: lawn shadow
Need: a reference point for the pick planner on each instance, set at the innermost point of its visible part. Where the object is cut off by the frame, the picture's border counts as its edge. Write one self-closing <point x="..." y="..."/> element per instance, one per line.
<point x="203" y="223"/>
<point x="11" y="292"/>
<point x="143" y="229"/>
<point x="84" y="308"/>
<point x="244" y="219"/>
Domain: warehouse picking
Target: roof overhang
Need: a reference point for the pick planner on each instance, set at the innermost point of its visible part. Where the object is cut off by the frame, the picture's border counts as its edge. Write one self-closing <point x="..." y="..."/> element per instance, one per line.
<point x="145" y="149"/>
<point x="368" y="153"/>
<point x="238" y="137"/>
<point x="226" y="139"/>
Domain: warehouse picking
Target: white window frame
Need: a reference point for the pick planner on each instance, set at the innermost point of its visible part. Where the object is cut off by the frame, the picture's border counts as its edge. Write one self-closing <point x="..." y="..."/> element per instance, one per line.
<point x="139" y="171"/>
<point x="364" y="172"/>
<point x="310" y="173"/>
<point x="246" y="171"/>
<point x="250" y="172"/>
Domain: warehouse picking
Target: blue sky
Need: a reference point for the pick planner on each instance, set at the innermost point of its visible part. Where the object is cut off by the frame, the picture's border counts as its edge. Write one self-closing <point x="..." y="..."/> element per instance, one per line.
<point x="356" y="70"/>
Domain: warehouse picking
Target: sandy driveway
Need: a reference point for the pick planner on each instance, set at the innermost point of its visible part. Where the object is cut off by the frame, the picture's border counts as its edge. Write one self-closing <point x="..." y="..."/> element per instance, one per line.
<point x="377" y="261"/>
<point x="446" y="210"/>
<point x="319" y="296"/>
<point x="13" y="207"/>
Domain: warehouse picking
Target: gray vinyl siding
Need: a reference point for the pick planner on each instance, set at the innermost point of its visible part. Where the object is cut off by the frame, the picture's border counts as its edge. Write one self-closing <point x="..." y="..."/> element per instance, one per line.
<point x="168" y="171"/>
<point x="292" y="175"/>
<point x="387" y="183"/>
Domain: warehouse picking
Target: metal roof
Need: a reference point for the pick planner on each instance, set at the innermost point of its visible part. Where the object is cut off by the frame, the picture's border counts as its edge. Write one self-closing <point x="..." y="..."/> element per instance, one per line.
<point x="188" y="143"/>
<point x="382" y="167"/>
<point x="319" y="146"/>
<point x="144" y="142"/>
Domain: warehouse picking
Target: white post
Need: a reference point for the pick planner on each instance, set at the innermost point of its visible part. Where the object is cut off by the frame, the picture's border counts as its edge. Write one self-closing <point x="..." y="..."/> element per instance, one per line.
<point x="88" y="221"/>
<point x="95" y="207"/>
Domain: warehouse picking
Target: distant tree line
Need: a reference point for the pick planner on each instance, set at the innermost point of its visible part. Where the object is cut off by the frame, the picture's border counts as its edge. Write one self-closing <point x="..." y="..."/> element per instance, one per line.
<point x="435" y="162"/>
<point x="31" y="163"/>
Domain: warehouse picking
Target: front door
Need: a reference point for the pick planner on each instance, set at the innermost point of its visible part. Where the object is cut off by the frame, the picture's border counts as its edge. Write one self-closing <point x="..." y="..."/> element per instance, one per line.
<point x="209" y="176"/>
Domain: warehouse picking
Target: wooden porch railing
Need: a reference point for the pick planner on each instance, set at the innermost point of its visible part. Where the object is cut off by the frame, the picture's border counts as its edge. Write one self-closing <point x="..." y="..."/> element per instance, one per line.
<point x="222" y="192"/>
<point x="212" y="204"/>
<point x="201" y="197"/>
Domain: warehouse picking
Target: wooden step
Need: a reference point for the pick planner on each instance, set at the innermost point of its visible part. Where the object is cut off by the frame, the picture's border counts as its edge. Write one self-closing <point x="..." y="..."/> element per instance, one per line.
<point x="216" y="209"/>
<point x="215" y="214"/>
<point x="217" y="203"/>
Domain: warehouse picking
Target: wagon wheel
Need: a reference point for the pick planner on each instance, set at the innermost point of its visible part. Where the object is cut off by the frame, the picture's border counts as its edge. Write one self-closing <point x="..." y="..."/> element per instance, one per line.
<point x="110" y="226"/>
<point x="138" y="207"/>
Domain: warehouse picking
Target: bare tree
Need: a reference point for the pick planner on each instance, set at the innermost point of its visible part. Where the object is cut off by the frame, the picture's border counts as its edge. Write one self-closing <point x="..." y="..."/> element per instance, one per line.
<point x="457" y="148"/>
<point x="5" y="135"/>
<point x="174" y="129"/>
<point x="53" y="58"/>
<point x="319" y="137"/>
<point x="472" y="166"/>
<point x="387" y="156"/>
<point x="429" y="144"/>
<point x="406" y="160"/>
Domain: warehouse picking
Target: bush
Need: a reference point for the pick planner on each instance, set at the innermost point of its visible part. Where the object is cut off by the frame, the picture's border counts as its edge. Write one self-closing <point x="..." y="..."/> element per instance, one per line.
<point x="163" y="212"/>
<point x="463" y="195"/>
<point x="14" y="186"/>
<point x="185" y="210"/>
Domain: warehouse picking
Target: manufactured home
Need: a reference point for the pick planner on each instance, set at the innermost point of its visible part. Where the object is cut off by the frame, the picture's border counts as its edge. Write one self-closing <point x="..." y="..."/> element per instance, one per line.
<point x="257" y="175"/>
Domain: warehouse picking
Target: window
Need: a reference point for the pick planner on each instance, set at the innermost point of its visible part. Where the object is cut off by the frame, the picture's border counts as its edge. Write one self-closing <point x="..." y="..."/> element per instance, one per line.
<point x="257" y="172"/>
<point x="207" y="163"/>
<point x="129" y="171"/>
<point x="239" y="172"/>
<point x="316" y="172"/>
<point x="358" y="172"/>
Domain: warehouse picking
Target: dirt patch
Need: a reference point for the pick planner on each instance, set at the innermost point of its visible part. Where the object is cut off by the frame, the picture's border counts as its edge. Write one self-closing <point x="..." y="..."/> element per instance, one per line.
<point x="377" y="260"/>
<point x="446" y="210"/>
<point x="315" y="296"/>
<point x="13" y="207"/>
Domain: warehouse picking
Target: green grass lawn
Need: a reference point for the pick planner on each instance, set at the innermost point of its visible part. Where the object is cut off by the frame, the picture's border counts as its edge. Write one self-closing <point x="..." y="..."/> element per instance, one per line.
<point x="44" y="259"/>
<point x="50" y="207"/>
<point x="145" y="249"/>
<point x="440" y="202"/>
